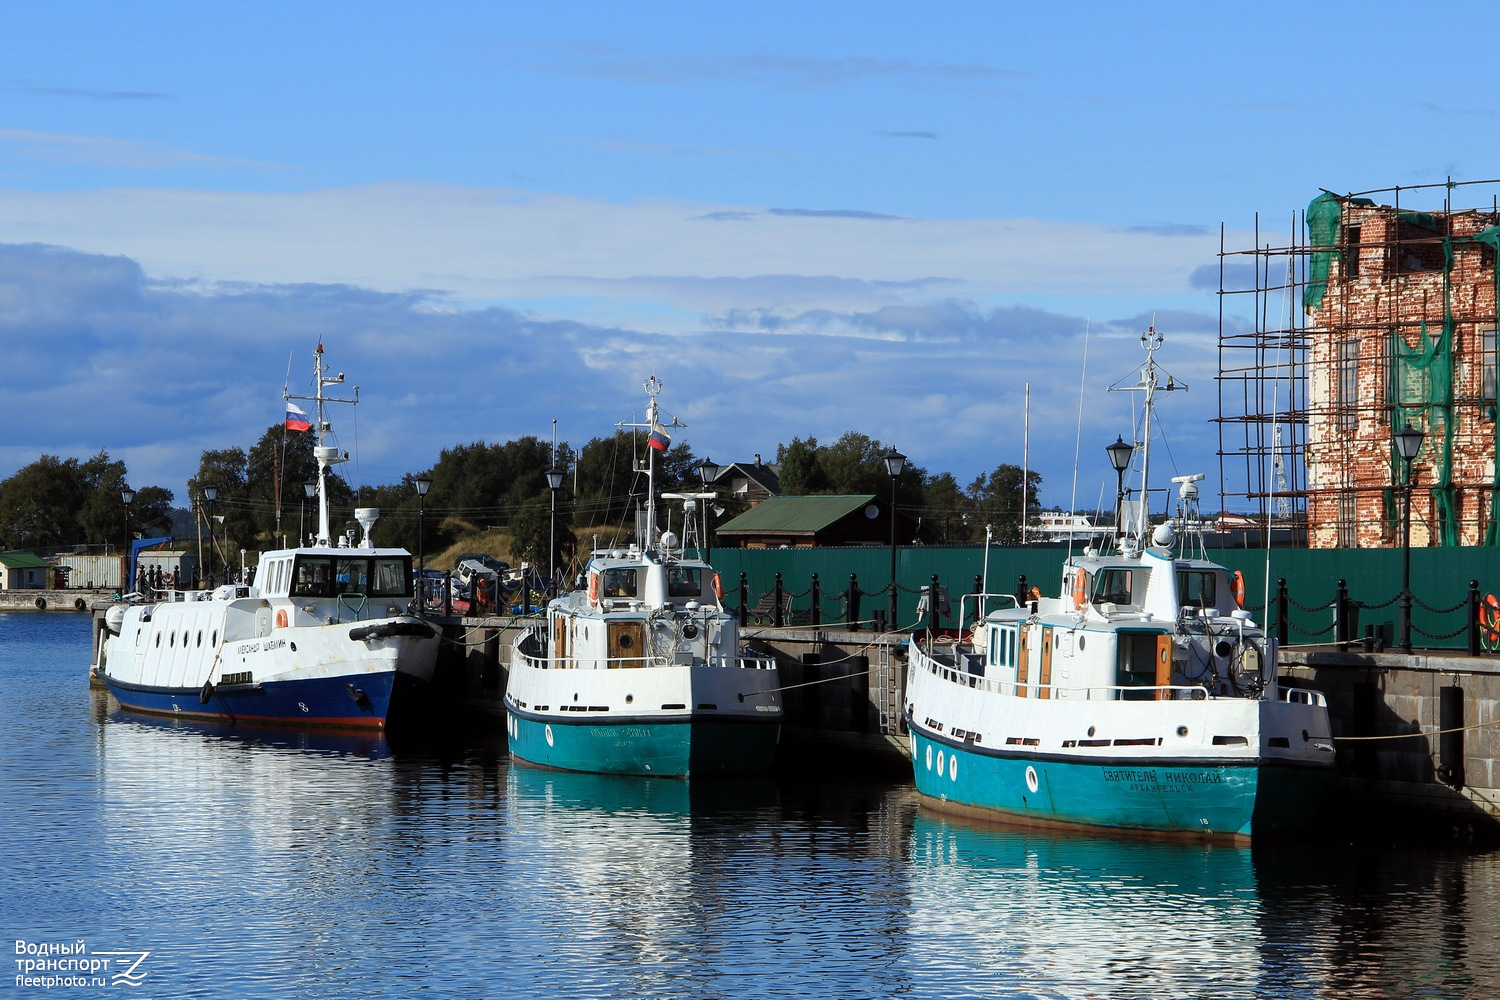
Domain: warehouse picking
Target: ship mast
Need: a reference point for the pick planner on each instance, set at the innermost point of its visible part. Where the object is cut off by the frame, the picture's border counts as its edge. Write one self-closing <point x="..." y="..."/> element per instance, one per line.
<point x="1149" y="384"/>
<point x="325" y="453"/>
<point x="654" y="428"/>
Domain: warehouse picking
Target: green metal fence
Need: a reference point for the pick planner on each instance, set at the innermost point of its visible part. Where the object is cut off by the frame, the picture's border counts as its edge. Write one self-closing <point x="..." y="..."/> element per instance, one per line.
<point x="1442" y="610"/>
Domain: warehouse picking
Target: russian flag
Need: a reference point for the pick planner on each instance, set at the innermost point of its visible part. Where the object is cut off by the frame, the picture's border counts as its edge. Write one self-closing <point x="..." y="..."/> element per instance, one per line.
<point x="296" y="420"/>
<point x="659" y="438"/>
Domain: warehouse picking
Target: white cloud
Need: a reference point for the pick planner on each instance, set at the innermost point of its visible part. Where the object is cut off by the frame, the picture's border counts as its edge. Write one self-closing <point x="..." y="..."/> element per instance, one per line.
<point x="502" y="246"/>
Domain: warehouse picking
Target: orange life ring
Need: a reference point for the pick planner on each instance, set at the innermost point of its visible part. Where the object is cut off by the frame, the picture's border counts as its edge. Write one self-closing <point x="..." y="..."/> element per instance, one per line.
<point x="1237" y="588"/>
<point x="1080" y="587"/>
<point x="281" y="617"/>
<point x="593" y="587"/>
<point x="719" y="588"/>
<point x="1489" y="622"/>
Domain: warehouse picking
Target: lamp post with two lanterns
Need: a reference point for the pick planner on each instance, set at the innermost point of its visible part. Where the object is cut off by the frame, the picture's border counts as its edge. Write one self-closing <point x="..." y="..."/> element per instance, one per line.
<point x="127" y="497"/>
<point x="1408" y="442"/>
<point x="895" y="463"/>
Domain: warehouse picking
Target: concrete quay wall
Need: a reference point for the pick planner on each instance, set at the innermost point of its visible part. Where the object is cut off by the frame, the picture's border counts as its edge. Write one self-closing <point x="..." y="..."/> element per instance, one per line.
<point x="52" y="600"/>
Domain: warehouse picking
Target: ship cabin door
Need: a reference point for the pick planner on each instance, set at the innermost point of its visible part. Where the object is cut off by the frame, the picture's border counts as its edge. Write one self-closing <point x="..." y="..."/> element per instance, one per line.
<point x="560" y="640"/>
<point x="1045" y="690"/>
<point x="626" y="648"/>
<point x="1023" y="661"/>
<point x="1140" y="653"/>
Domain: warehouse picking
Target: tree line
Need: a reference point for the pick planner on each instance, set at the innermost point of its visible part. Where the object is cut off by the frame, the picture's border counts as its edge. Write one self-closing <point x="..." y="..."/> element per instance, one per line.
<point x="262" y="499"/>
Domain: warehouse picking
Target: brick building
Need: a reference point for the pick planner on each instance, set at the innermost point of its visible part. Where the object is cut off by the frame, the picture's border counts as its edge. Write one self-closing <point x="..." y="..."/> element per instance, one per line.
<point x="1400" y="309"/>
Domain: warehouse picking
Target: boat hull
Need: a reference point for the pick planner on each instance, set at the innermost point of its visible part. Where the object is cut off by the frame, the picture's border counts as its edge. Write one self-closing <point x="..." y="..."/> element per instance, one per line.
<point x="1235" y="800"/>
<point x="351" y="674"/>
<point x="680" y="747"/>
<point x="359" y="701"/>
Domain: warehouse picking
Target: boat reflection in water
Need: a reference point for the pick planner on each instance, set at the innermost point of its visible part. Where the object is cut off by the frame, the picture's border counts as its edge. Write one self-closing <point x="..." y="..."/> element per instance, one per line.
<point x="1054" y="914"/>
<point x="1071" y="915"/>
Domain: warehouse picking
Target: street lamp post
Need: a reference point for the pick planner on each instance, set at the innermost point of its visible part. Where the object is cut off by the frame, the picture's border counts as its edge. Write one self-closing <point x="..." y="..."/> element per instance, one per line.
<point x="127" y="497"/>
<point x="211" y="493"/>
<point x="309" y="490"/>
<point x="554" y="482"/>
<point x="1119" y="457"/>
<point x="895" y="462"/>
<point x="424" y="483"/>
<point x="1408" y="442"/>
<point x="709" y="471"/>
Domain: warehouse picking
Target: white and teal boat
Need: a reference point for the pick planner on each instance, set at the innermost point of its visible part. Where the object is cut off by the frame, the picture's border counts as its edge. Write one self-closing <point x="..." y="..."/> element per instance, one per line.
<point x="641" y="671"/>
<point x="1141" y="698"/>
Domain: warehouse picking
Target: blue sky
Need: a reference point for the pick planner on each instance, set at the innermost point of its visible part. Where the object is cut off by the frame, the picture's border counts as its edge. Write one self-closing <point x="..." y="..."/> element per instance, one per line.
<point x="804" y="218"/>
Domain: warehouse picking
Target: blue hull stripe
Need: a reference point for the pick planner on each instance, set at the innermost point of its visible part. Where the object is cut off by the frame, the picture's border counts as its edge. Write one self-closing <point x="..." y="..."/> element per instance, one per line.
<point x="679" y="748"/>
<point x="323" y="701"/>
<point x="1210" y="798"/>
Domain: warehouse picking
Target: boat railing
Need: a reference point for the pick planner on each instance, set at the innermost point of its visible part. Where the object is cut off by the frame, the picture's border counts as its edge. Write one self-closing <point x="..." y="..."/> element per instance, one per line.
<point x="1303" y="696"/>
<point x="1098" y="692"/>
<point x="981" y="606"/>
<point x="740" y="661"/>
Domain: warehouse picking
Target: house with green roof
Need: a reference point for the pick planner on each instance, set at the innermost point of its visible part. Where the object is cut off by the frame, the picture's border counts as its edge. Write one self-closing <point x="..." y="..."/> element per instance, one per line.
<point x="23" y="571"/>
<point x="793" y="522"/>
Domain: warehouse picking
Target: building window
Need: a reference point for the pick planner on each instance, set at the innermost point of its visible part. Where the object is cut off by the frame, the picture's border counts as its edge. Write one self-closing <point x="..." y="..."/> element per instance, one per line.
<point x="1351" y="252"/>
<point x="1487" y="372"/>
<point x="1348" y="385"/>
<point x="1348" y="537"/>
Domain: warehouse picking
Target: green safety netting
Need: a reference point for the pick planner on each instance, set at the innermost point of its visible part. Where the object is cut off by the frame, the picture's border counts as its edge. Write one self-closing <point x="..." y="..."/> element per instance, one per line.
<point x="1419" y="387"/>
<point x="1323" y="216"/>
<point x="1491" y="238"/>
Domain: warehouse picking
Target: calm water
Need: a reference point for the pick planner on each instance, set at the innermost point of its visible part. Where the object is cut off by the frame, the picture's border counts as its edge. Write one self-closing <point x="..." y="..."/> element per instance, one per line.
<point x="305" y="865"/>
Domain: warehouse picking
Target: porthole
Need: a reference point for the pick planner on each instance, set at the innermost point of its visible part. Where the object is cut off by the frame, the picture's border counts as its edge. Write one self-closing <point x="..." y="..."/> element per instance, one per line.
<point x="1182" y="730"/>
<point x="1080" y="643"/>
<point x="200" y="637"/>
<point x="171" y="639"/>
<point x="213" y="638"/>
<point x="626" y="641"/>
<point x="185" y="638"/>
<point x="1091" y="730"/>
<point x="929" y="756"/>
<point x="953" y="767"/>
<point x="158" y="640"/>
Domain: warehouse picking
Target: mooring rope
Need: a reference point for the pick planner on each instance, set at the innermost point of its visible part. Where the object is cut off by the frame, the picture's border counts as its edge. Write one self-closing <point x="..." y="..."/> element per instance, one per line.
<point x="1407" y="736"/>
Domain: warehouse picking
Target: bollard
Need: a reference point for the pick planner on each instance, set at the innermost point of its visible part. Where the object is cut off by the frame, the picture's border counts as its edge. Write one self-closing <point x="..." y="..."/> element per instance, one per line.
<point x="1281" y="602"/>
<point x="776" y="591"/>
<point x="851" y="604"/>
<point x="1450" y="770"/>
<point x="744" y="600"/>
<point x="815" y="613"/>
<point x="1473" y="617"/>
<point x="1341" y="616"/>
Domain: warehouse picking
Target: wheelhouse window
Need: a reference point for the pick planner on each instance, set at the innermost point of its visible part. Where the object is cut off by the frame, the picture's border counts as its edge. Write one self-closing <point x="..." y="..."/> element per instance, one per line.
<point x="684" y="581"/>
<point x="329" y="576"/>
<point x="1117" y="585"/>
<point x="619" y="582"/>
<point x="1197" y="588"/>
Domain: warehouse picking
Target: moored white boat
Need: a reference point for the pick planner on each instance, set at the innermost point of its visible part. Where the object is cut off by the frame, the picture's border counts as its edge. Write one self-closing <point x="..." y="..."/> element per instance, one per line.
<point x="1141" y="698"/>
<point x="641" y="671"/>
<point x="322" y="637"/>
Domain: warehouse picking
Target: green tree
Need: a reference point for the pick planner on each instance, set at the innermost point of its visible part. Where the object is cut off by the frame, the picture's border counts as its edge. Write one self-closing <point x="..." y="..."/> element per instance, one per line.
<point x="998" y="503"/>
<point x="945" y="510"/>
<point x="233" y="521"/>
<point x="800" y="470"/>
<point x="39" y="505"/>
<point x="275" y="469"/>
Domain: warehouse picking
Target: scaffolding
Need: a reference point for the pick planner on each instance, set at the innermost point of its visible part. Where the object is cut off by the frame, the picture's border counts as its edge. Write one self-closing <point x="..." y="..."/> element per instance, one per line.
<point x="1373" y="313"/>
